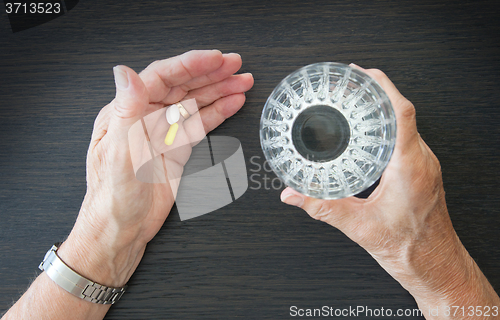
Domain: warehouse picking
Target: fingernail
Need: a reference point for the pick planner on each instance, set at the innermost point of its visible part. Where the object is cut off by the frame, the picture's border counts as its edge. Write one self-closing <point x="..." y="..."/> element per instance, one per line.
<point x="293" y="200"/>
<point x="356" y="66"/>
<point x="121" y="78"/>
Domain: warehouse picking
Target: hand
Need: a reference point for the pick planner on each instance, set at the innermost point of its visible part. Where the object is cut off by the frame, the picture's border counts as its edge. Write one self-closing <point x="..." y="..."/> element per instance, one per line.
<point x="404" y="223"/>
<point x="121" y="214"/>
<point x="401" y="208"/>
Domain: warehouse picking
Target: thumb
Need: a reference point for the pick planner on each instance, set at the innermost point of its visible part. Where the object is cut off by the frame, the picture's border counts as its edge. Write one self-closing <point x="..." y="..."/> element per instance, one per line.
<point x="129" y="104"/>
<point x="338" y="213"/>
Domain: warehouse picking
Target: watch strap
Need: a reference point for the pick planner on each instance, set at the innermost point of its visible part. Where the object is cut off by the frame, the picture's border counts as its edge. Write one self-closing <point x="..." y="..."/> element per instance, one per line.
<point x="71" y="281"/>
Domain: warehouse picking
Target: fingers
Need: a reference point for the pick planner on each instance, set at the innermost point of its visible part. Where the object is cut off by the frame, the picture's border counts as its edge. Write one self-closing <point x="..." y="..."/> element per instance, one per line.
<point x="214" y="114"/>
<point x="231" y="85"/>
<point x="128" y="106"/>
<point x="209" y="95"/>
<point x="160" y="76"/>
<point x="403" y="108"/>
<point x="338" y="213"/>
<point x="230" y="65"/>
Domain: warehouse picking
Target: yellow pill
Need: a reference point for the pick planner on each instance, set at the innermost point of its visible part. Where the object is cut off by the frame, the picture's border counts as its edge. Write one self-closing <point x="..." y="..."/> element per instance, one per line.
<point x="172" y="131"/>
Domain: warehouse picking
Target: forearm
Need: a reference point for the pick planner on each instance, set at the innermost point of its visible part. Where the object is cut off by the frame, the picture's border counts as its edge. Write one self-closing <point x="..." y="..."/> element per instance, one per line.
<point x="46" y="300"/>
<point x="440" y="274"/>
<point x="96" y="257"/>
<point x="453" y="286"/>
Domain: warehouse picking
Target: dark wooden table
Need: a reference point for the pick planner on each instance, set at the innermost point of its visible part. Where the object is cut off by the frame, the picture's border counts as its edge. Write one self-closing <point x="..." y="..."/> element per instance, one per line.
<point x="255" y="258"/>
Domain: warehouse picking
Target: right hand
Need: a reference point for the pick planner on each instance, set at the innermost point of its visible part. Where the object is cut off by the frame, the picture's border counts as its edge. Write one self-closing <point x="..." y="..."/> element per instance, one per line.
<point x="404" y="224"/>
<point x="408" y="203"/>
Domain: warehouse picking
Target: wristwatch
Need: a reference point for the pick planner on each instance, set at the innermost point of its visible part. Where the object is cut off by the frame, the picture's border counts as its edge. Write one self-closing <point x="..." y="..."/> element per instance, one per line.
<point x="69" y="280"/>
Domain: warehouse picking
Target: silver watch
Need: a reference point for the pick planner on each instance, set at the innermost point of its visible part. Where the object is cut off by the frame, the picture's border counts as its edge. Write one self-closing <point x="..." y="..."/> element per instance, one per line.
<point x="74" y="283"/>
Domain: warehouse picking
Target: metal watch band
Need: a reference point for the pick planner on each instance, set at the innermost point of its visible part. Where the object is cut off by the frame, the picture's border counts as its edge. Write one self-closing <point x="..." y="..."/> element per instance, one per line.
<point x="69" y="280"/>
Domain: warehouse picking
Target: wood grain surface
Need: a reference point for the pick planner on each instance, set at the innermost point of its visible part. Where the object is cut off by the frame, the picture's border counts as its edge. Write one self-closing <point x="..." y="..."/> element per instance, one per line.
<point x="256" y="257"/>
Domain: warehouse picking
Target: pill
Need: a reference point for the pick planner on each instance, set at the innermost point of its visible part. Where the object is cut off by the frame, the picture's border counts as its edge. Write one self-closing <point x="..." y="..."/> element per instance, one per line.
<point x="172" y="131"/>
<point x="173" y="114"/>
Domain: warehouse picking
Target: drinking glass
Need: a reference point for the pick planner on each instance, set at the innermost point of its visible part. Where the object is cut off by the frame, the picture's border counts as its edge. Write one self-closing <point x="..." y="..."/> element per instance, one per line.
<point x="328" y="130"/>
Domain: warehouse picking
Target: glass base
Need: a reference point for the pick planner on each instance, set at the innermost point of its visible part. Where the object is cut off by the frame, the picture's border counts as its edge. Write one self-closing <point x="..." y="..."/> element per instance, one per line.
<point x="320" y="133"/>
<point x="328" y="130"/>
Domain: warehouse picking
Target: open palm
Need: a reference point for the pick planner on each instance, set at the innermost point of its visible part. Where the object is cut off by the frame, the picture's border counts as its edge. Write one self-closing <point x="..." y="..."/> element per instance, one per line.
<point x="116" y="202"/>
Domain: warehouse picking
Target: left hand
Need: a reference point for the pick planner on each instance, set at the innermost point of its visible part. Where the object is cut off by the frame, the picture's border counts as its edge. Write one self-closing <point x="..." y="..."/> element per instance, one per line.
<point x="121" y="214"/>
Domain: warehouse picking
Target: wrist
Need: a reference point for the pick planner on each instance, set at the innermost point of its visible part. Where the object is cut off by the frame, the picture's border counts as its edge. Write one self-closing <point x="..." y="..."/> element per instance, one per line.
<point x="450" y="281"/>
<point x="437" y="270"/>
<point x="435" y="262"/>
<point x="107" y="258"/>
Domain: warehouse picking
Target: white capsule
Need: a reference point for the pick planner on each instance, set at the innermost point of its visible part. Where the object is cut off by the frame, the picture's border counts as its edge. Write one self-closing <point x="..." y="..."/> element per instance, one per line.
<point x="173" y="114"/>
